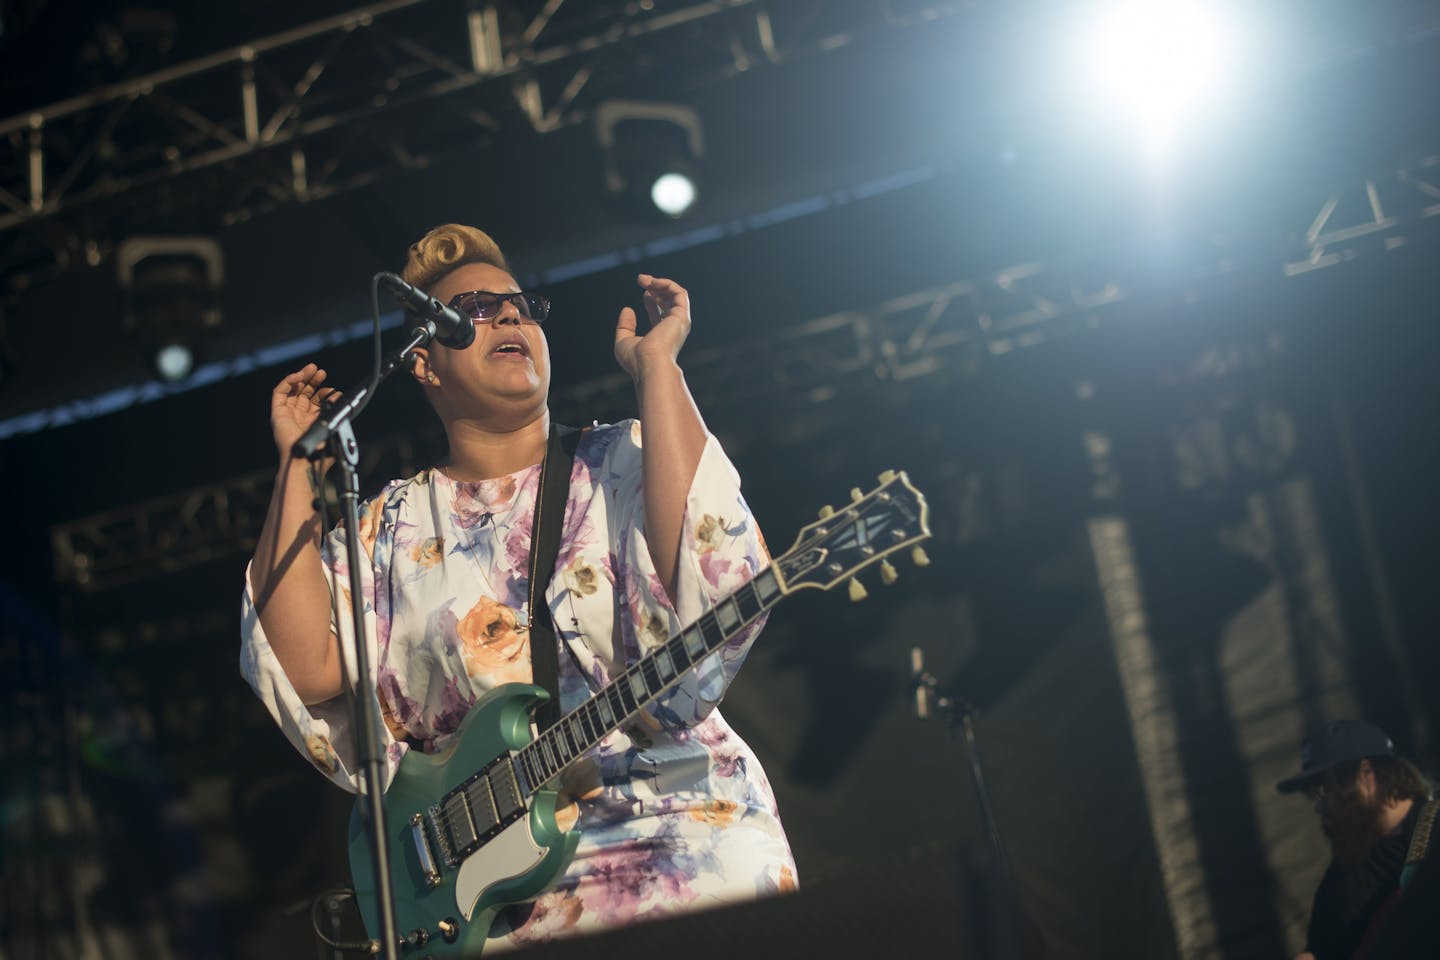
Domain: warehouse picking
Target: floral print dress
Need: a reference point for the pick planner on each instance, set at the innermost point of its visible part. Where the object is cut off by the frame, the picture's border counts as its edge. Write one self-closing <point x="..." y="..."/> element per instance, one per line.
<point x="674" y="810"/>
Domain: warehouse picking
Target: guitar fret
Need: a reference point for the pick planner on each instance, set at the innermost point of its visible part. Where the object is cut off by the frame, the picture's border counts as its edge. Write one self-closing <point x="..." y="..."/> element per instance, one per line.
<point x="664" y="666"/>
<point x="592" y="721"/>
<point x="748" y="603"/>
<point x="563" y="746"/>
<point x="577" y="735"/>
<point x="766" y="587"/>
<point x="607" y="710"/>
<point x="714" y="636"/>
<point x="624" y="703"/>
<point x="550" y="763"/>
<point x="653" y="683"/>
<point x="637" y="691"/>
<point x="676" y="648"/>
<point x="527" y="762"/>
<point x="600" y="707"/>
<point x="694" y="643"/>
<point x="728" y="616"/>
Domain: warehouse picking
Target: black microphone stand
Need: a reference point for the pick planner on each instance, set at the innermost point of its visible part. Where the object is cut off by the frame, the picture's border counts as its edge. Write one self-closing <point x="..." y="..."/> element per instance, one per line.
<point x="334" y="433"/>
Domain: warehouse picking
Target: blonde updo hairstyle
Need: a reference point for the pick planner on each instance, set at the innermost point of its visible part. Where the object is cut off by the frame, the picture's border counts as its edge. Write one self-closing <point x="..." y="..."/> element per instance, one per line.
<point x="445" y="248"/>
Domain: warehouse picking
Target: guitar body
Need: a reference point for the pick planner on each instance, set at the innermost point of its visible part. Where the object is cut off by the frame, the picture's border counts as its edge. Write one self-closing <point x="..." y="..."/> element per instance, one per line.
<point x="519" y="861"/>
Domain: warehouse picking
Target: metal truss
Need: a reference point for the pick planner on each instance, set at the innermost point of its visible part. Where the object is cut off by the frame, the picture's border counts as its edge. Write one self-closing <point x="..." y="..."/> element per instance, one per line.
<point x="1380" y="211"/>
<point x="163" y="535"/>
<point x="184" y="530"/>
<point x="387" y="87"/>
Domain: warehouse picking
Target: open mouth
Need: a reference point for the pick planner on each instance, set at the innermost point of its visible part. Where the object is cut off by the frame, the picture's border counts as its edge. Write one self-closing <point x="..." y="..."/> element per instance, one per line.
<point x="510" y="349"/>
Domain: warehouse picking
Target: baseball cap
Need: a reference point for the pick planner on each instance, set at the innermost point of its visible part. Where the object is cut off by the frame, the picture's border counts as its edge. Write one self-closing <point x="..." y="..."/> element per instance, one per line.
<point x="1336" y="742"/>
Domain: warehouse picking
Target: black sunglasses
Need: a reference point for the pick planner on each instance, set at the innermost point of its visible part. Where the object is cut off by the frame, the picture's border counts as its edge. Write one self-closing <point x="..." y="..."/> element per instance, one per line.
<point x="483" y="305"/>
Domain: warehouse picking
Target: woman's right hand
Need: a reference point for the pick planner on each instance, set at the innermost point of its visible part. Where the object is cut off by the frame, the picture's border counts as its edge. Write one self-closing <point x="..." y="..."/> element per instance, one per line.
<point x="295" y="405"/>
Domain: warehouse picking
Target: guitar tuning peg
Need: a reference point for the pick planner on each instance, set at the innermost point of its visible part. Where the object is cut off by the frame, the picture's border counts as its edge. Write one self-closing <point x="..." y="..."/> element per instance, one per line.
<point x="857" y="590"/>
<point x="826" y="512"/>
<point x="919" y="557"/>
<point x="856" y="495"/>
<point x="887" y="475"/>
<point x="887" y="573"/>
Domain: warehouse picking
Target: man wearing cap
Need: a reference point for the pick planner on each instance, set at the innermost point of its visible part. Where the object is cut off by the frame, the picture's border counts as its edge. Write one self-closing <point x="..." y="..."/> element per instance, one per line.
<point x="1377" y="812"/>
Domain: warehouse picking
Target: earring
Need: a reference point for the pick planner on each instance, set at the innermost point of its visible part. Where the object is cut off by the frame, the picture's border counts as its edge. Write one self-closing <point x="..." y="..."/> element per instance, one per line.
<point x="429" y="378"/>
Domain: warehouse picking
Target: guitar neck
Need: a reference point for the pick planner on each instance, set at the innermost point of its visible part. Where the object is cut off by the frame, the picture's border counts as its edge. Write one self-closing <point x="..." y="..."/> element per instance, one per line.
<point x="582" y="729"/>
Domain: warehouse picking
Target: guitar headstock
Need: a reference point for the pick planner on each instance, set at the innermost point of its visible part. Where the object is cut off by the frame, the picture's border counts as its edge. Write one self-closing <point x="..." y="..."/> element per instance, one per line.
<point x="865" y="531"/>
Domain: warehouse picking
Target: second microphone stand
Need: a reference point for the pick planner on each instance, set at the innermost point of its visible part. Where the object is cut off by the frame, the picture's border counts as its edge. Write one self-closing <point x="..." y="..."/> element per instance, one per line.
<point x="1014" y="935"/>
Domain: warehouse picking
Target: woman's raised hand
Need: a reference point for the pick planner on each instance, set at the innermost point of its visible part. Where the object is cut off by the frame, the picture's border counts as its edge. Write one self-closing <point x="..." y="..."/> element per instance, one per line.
<point x="668" y="307"/>
<point x="295" y="405"/>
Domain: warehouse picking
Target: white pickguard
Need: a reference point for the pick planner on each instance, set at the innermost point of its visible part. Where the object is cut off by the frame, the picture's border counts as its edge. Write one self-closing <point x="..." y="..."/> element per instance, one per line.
<point x="511" y="853"/>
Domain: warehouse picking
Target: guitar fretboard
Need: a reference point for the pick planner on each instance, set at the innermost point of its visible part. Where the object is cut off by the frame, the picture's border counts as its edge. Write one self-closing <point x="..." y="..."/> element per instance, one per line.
<point x="580" y="730"/>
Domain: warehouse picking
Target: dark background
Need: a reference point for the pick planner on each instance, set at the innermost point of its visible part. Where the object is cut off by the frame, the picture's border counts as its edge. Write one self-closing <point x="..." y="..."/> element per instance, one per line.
<point x="1259" y="441"/>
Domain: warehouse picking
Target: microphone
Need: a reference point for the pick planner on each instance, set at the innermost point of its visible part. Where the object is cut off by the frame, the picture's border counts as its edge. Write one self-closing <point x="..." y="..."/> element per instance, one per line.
<point x="918" y="679"/>
<point x="451" y="329"/>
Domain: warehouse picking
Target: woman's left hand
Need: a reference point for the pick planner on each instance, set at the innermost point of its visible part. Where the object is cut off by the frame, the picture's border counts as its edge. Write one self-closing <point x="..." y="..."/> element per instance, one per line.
<point x="668" y="306"/>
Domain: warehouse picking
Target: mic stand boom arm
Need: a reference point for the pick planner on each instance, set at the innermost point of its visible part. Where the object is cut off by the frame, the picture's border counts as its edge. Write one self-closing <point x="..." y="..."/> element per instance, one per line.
<point x="334" y="433"/>
<point x="311" y="445"/>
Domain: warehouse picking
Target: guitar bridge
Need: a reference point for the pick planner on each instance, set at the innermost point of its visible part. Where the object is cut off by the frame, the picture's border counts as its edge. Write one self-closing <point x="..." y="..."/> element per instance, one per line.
<point x="428" y="870"/>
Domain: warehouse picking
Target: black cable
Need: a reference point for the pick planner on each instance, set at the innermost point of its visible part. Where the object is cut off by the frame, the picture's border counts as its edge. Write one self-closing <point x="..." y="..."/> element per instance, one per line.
<point x="370" y="947"/>
<point x="317" y="476"/>
<point x="374" y="383"/>
<point x="317" y="484"/>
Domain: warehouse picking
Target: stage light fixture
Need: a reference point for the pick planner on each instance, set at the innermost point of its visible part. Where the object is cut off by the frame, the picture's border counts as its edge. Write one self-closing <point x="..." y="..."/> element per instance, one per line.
<point x="171" y="288"/>
<point x="651" y="155"/>
<point x="1159" y="61"/>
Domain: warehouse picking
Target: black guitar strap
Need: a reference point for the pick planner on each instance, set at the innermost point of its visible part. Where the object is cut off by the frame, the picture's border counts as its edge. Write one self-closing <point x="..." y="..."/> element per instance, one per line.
<point x="550" y="501"/>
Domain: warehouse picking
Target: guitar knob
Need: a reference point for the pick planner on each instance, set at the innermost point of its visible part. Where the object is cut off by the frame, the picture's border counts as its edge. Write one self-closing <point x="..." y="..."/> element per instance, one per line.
<point x="887" y="573"/>
<point x="857" y="590"/>
<point x="856" y="495"/>
<point x="826" y="512"/>
<point x="919" y="557"/>
<point x="887" y="475"/>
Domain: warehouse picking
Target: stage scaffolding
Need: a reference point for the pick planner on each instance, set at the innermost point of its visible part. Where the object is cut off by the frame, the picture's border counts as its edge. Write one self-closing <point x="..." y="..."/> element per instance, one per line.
<point x="382" y="89"/>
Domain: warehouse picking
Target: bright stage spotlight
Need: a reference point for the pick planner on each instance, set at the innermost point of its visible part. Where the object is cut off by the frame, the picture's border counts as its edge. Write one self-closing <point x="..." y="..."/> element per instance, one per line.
<point x="673" y="193"/>
<point x="1159" y="61"/>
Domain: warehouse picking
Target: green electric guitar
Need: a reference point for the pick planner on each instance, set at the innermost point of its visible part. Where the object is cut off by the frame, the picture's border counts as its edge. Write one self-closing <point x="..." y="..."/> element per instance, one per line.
<point x="472" y="828"/>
